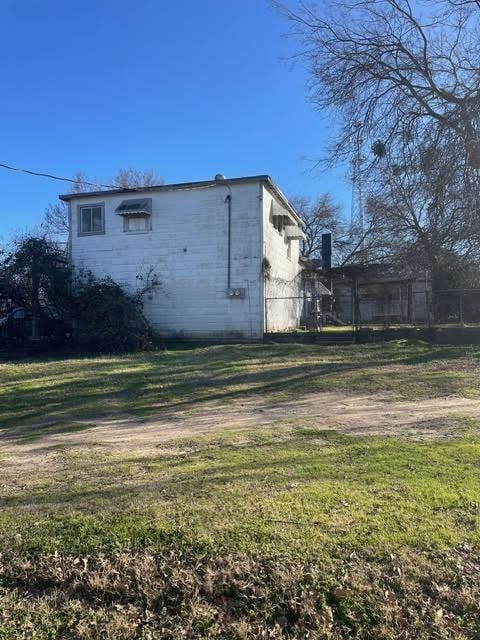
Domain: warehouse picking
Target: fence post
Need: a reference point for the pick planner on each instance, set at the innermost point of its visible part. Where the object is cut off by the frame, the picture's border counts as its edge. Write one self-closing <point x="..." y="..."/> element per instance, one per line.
<point x="428" y="309"/>
<point x="356" y="307"/>
<point x="460" y="307"/>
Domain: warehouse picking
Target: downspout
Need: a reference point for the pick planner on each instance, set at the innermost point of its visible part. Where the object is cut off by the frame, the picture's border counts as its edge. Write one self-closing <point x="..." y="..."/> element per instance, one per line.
<point x="70" y="321"/>
<point x="228" y="200"/>
<point x="263" y="285"/>
<point x="70" y="233"/>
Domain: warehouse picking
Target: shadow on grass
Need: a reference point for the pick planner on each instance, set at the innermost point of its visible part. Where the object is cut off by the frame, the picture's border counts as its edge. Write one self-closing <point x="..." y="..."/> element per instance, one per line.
<point x="268" y="468"/>
<point x="55" y="392"/>
<point x="33" y="434"/>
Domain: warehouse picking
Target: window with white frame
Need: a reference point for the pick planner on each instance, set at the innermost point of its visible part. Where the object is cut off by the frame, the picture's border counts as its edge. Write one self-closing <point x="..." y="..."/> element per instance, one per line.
<point x="91" y="219"/>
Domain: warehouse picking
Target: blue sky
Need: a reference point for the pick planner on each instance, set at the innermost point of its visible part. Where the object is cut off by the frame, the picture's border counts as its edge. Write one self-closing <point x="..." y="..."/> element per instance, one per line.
<point x="190" y="88"/>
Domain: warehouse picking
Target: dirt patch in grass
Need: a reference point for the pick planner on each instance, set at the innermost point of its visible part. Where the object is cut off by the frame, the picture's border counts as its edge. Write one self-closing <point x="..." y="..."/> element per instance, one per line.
<point x="41" y="449"/>
<point x="364" y="415"/>
<point x="60" y="391"/>
<point x="230" y="493"/>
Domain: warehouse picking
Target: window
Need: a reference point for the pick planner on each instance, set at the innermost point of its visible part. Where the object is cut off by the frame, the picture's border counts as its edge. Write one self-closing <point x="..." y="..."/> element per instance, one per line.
<point x="91" y="219"/>
<point x="136" y="224"/>
<point x="277" y="222"/>
<point x="136" y="214"/>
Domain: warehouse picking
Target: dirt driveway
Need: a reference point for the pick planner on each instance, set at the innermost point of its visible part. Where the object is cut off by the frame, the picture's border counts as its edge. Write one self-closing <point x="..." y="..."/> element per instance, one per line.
<point x="357" y="414"/>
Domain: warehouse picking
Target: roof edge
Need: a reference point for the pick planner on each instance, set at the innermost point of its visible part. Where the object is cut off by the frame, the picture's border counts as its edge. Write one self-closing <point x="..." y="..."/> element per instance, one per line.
<point x="283" y="198"/>
<point x="163" y="187"/>
<point x="185" y="186"/>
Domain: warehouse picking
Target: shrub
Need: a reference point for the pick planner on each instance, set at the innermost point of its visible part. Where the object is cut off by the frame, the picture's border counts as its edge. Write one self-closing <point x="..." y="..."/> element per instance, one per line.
<point x="106" y="318"/>
<point x="35" y="274"/>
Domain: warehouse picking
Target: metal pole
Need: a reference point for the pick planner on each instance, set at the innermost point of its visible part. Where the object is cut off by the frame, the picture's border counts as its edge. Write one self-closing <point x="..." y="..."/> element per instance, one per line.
<point x="266" y="315"/>
<point x="353" y="305"/>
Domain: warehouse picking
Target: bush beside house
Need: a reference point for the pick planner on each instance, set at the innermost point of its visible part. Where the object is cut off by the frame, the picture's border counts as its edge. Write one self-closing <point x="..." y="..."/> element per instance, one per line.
<point x="101" y="316"/>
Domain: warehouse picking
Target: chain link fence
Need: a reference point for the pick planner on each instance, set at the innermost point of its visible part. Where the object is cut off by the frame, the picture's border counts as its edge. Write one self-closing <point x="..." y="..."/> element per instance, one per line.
<point x="363" y="307"/>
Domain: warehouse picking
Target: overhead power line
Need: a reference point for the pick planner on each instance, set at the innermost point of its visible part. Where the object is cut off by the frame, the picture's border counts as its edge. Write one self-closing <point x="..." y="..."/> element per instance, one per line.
<point x="98" y="185"/>
<point x="51" y="176"/>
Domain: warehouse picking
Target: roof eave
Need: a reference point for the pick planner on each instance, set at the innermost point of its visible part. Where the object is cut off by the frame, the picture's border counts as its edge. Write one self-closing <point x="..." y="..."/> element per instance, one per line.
<point x="283" y="198"/>
<point x="266" y="179"/>
<point x="163" y="187"/>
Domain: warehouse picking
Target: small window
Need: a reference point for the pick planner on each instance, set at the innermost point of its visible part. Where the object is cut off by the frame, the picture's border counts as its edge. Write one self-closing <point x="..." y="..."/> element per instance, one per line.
<point x="91" y="219"/>
<point x="277" y="222"/>
<point x="136" y="224"/>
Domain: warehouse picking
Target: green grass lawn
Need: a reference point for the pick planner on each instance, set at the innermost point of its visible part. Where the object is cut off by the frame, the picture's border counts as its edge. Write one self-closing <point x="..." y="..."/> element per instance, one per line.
<point x="285" y="531"/>
<point x="56" y="391"/>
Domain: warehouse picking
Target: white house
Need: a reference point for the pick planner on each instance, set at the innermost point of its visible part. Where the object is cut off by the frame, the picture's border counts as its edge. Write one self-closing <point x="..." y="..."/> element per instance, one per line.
<point x="226" y="253"/>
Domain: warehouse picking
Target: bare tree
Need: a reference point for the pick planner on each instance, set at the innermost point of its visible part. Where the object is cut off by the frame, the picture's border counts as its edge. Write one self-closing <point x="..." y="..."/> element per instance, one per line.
<point x="350" y="243"/>
<point x="425" y="214"/>
<point x="402" y="80"/>
<point x="131" y="178"/>
<point x="319" y="215"/>
<point x="394" y="72"/>
<point x="55" y="220"/>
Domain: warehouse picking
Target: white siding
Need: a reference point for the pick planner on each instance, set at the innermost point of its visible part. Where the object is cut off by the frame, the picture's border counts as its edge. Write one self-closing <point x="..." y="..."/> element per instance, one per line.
<point x="283" y="303"/>
<point x="187" y="247"/>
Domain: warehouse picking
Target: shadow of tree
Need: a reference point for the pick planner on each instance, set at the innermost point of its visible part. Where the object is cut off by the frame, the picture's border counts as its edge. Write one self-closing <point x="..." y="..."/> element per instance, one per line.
<point x="263" y="468"/>
<point x="48" y="396"/>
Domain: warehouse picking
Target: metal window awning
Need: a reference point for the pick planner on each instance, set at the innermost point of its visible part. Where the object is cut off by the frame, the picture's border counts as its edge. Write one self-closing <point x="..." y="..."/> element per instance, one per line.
<point x="281" y="212"/>
<point x="135" y="207"/>
<point x="294" y="233"/>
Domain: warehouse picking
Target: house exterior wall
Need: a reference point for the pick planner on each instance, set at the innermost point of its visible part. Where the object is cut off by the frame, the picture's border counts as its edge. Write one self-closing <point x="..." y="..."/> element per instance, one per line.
<point x="187" y="249"/>
<point x="283" y="286"/>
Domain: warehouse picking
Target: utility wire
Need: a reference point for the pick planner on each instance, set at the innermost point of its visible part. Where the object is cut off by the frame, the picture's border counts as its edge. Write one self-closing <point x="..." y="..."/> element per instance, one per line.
<point x="98" y="185"/>
<point x="53" y="177"/>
